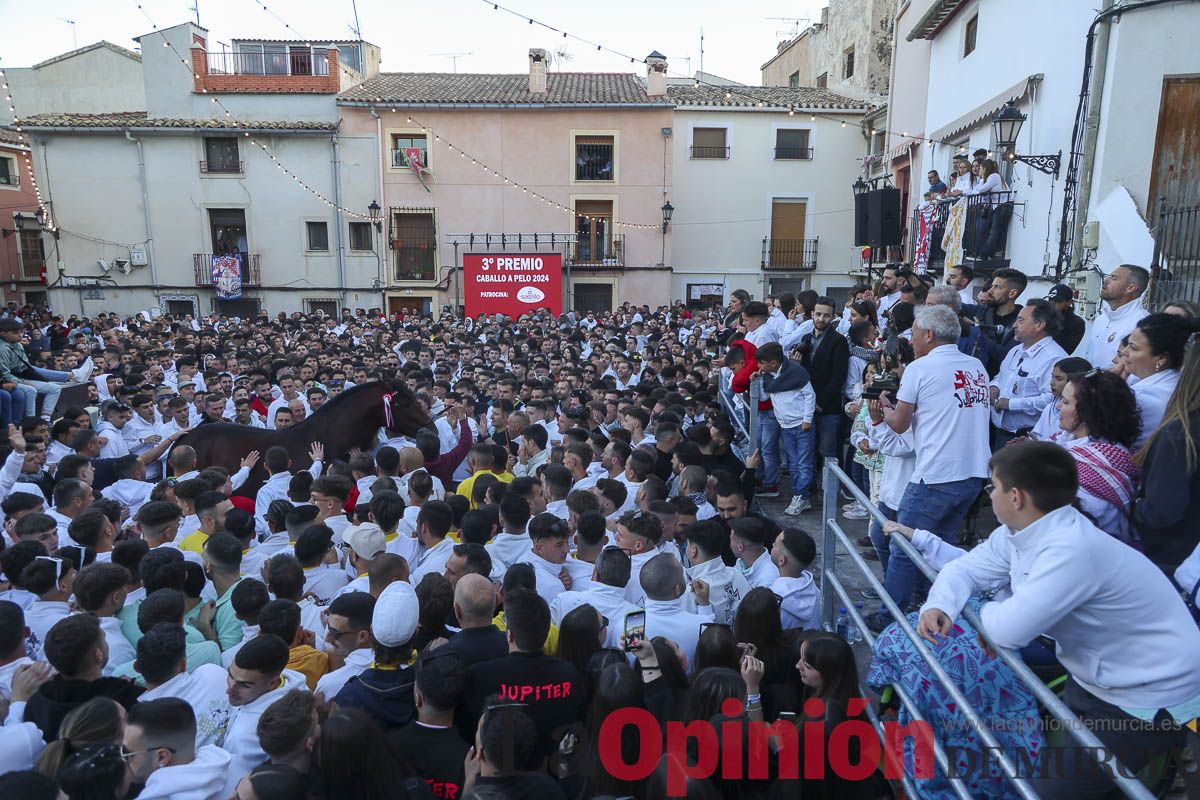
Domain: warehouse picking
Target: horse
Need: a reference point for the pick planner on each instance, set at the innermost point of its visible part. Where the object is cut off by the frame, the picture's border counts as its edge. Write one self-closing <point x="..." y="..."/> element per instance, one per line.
<point x="349" y="421"/>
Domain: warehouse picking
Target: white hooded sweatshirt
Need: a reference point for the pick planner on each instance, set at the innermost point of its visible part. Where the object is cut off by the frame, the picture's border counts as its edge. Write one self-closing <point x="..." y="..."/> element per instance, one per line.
<point x="241" y="740"/>
<point x="202" y="779"/>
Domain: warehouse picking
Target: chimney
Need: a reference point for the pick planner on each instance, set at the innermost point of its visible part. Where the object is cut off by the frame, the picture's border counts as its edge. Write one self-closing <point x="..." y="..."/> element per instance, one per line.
<point x="656" y="75"/>
<point x="537" y="70"/>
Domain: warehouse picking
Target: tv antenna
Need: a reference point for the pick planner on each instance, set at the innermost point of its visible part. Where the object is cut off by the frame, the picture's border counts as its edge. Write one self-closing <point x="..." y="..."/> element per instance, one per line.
<point x="357" y="30"/>
<point x="562" y="55"/>
<point x="797" y="24"/>
<point x="454" y="57"/>
<point x="74" y="37"/>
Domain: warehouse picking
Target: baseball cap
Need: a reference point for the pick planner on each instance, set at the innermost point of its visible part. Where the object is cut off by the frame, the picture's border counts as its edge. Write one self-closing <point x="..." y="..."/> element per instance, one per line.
<point x="366" y="540"/>
<point x="394" y="620"/>
<point x="1060" y="293"/>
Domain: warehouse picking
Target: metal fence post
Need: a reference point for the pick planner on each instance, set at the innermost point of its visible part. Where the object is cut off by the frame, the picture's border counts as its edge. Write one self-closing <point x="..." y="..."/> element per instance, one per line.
<point x="828" y="540"/>
<point x="755" y="396"/>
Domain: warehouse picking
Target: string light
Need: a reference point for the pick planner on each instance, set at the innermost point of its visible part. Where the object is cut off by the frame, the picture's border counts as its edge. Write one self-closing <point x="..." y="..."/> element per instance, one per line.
<point x="729" y="92"/>
<point x="235" y="123"/>
<point x="23" y="141"/>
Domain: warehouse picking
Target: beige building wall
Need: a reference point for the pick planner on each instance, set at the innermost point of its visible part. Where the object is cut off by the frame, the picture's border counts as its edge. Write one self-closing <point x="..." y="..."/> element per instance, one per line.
<point x="533" y="148"/>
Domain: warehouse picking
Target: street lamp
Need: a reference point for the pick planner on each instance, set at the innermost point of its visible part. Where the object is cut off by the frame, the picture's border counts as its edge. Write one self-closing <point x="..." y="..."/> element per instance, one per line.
<point x="860" y="186"/>
<point x="1006" y="126"/>
<point x="667" y="211"/>
<point x="374" y="210"/>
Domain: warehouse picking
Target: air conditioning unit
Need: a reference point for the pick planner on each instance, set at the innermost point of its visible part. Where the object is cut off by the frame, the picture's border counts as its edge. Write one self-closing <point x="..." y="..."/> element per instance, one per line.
<point x="137" y="257"/>
<point x="122" y="265"/>
<point x="104" y="266"/>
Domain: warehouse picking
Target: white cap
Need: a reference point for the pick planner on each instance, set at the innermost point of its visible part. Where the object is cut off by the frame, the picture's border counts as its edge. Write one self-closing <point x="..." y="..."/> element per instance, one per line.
<point x="396" y="613"/>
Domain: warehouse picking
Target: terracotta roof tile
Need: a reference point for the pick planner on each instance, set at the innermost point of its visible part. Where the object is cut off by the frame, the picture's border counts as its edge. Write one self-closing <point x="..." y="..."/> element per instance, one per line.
<point x="749" y="96"/>
<point x="563" y="88"/>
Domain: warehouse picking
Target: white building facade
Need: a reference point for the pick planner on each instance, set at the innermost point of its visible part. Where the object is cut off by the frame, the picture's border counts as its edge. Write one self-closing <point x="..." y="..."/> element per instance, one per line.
<point x="143" y="199"/>
<point x="763" y="198"/>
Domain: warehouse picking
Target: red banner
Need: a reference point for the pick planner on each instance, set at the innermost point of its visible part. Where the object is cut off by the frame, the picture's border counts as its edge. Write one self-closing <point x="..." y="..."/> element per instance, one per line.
<point x="512" y="283"/>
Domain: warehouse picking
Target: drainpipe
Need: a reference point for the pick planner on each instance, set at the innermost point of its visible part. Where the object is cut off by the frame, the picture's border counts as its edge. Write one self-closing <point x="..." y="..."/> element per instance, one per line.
<point x="382" y="233"/>
<point x="1091" y="134"/>
<point x="146" y="212"/>
<point x="337" y="215"/>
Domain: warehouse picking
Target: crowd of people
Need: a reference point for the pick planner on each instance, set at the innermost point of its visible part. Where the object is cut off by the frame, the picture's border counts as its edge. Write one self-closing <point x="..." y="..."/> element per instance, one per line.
<point x="583" y="529"/>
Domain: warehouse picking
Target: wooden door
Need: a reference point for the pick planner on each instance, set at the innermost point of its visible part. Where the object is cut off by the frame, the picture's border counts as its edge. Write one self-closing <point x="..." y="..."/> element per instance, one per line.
<point x="1176" y="171"/>
<point x="788" y="218"/>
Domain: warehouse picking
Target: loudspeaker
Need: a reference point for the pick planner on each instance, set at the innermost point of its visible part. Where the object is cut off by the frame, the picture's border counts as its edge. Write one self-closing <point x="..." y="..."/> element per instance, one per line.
<point x="883" y="217"/>
<point x="860" y="220"/>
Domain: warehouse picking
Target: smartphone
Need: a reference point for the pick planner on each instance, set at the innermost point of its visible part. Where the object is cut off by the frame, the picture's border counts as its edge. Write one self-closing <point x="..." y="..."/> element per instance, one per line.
<point x="635" y="630"/>
<point x="788" y="716"/>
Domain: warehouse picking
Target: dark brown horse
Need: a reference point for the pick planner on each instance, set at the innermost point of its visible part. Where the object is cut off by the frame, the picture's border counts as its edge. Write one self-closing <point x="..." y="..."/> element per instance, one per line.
<point x="348" y="421"/>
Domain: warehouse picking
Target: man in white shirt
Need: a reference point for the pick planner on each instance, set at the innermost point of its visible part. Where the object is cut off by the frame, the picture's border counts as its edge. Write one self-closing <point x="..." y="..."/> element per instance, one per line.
<point x="258" y="677"/>
<point x="288" y="392"/>
<point x="163" y="757"/>
<point x="727" y="585"/>
<point x="794" y="403"/>
<point x="943" y="398"/>
<point x="1121" y="292"/>
<point x="889" y="289"/>
<point x="639" y="533"/>
<point x="749" y="540"/>
<point x="348" y="634"/>
<point x="161" y="657"/>
<point x="959" y="278"/>
<point x="605" y="593"/>
<point x="1021" y="389"/>
<point x="663" y="584"/>
<point x="755" y="318"/>
<point x="100" y="590"/>
<point x="551" y="542"/>
<point x="1062" y="577"/>
<point x="433" y="524"/>
<point x="278" y="464"/>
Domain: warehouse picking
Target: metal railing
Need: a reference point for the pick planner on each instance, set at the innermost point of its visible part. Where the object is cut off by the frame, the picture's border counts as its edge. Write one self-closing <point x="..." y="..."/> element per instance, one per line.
<point x="985" y="227"/>
<point x="202" y="264"/>
<point x="598" y="252"/>
<point x="10" y="179"/>
<point x="744" y="419"/>
<point x="832" y="536"/>
<point x="415" y="263"/>
<point x="293" y="61"/>
<point x="1175" y="265"/>
<point x="221" y="167"/>
<point x="594" y="162"/>
<point x="710" y="152"/>
<point x="400" y="160"/>
<point x="793" y="153"/>
<point x="789" y="254"/>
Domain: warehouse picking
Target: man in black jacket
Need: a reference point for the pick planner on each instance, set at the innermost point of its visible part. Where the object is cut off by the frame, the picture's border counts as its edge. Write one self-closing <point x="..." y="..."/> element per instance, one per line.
<point x="474" y="604"/>
<point x="76" y="647"/>
<point x="1071" y="333"/>
<point x="826" y="355"/>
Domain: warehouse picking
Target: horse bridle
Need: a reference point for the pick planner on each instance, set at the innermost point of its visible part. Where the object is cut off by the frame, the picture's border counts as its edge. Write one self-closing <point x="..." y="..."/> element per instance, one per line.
<point x="387" y="411"/>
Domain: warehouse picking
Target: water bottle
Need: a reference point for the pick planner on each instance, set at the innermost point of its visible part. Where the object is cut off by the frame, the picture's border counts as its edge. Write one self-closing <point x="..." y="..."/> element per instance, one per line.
<point x="843" y="623"/>
<point x="853" y="634"/>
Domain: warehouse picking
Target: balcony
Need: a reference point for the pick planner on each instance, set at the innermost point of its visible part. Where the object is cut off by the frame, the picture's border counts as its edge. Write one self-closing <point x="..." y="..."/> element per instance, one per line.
<point x="984" y="236"/>
<point x="251" y="277"/>
<point x="415" y="262"/>
<point x="222" y="167"/>
<point x="598" y="254"/>
<point x="793" y="153"/>
<point x="789" y="254"/>
<point x="287" y="69"/>
<point x="710" y="152"/>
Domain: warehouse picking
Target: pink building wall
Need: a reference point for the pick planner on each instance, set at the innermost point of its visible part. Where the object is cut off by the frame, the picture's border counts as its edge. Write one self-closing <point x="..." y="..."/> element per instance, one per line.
<point x="22" y="199"/>
<point x="533" y="148"/>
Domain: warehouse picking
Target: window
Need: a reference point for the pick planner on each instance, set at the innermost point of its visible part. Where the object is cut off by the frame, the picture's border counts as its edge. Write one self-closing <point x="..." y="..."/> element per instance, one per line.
<point x="221" y="155"/>
<point x="414" y="240"/>
<point x="593" y="229"/>
<point x="348" y="55"/>
<point x="709" y="143"/>
<point x="969" y="35"/>
<point x="33" y="253"/>
<point x="327" y="307"/>
<point x="877" y="142"/>
<point x="402" y="142"/>
<point x="823" y="80"/>
<point x="594" y="156"/>
<point x="794" y="80"/>
<point x="360" y="236"/>
<point x="848" y="64"/>
<point x="317" y="235"/>
<point x="792" y="143"/>
<point x="9" y="176"/>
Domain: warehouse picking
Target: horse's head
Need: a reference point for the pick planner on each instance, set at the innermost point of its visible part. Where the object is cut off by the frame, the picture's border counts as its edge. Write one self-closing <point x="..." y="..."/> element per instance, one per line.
<point x="403" y="412"/>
